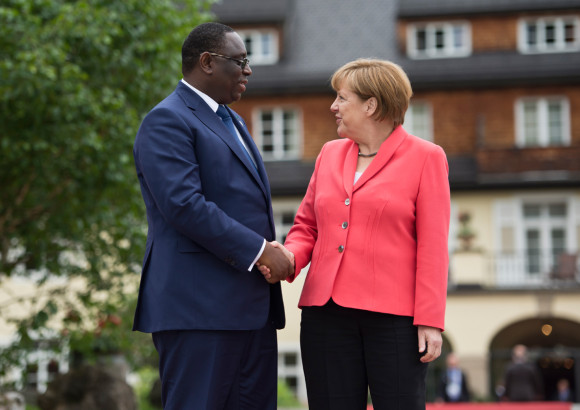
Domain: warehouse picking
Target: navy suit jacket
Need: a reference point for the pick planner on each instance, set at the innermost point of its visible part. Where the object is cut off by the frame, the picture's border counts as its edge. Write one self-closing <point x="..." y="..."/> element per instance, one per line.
<point x="208" y="213"/>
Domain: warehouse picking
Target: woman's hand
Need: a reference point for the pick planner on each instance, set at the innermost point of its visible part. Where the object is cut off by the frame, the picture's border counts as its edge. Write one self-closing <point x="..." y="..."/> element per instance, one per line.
<point x="430" y="342"/>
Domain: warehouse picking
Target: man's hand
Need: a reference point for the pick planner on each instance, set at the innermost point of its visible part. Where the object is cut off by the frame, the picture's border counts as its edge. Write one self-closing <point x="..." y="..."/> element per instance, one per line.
<point x="265" y="270"/>
<point x="274" y="264"/>
<point x="429" y="339"/>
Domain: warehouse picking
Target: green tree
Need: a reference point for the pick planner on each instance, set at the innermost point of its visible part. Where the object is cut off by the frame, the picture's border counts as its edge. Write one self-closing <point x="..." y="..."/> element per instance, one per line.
<point x="76" y="78"/>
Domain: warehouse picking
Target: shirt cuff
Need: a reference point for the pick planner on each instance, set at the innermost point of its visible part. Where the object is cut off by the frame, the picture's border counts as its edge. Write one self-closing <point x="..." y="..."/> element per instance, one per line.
<point x="258" y="257"/>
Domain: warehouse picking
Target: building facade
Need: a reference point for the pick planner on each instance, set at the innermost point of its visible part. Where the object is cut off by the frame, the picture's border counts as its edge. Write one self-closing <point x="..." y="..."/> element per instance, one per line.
<point x="497" y="85"/>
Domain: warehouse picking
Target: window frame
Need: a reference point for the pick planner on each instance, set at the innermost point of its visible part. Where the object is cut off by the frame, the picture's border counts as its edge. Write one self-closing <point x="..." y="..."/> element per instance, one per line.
<point x="294" y="371"/>
<point x="542" y="104"/>
<point x="542" y="46"/>
<point x="431" y="51"/>
<point x="278" y="153"/>
<point x="41" y="358"/>
<point x="544" y="224"/>
<point x="258" y="57"/>
<point x="511" y="267"/>
<point x="410" y="117"/>
<point x="281" y="207"/>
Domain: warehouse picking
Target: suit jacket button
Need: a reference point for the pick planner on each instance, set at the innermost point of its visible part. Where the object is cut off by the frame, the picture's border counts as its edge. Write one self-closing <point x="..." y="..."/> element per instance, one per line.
<point x="344" y="225"/>
<point x="340" y="249"/>
<point x="347" y="201"/>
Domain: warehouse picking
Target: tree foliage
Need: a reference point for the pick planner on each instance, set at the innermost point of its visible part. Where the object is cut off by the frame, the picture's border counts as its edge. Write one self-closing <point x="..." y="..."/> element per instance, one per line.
<point x="76" y="78"/>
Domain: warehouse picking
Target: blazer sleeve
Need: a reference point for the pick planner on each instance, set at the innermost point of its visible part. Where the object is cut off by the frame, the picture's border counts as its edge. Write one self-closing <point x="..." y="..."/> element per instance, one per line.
<point x="432" y="225"/>
<point x="165" y="156"/>
<point x="303" y="235"/>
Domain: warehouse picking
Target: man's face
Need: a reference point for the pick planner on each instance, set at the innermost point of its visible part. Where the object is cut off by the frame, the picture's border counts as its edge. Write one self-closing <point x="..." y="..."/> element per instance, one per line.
<point x="230" y="79"/>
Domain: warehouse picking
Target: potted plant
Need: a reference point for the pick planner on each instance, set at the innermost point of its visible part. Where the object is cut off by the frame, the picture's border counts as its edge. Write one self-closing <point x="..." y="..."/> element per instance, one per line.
<point x="466" y="233"/>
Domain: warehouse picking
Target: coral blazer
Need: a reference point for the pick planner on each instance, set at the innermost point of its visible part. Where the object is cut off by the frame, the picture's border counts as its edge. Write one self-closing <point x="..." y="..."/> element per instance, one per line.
<point x="379" y="244"/>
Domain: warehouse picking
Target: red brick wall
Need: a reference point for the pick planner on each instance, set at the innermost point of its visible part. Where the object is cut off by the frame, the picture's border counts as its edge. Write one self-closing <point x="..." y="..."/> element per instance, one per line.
<point x="494" y="33"/>
<point x="465" y="118"/>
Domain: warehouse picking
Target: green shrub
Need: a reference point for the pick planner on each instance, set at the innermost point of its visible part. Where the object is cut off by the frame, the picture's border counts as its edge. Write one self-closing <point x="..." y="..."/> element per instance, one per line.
<point x="286" y="397"/>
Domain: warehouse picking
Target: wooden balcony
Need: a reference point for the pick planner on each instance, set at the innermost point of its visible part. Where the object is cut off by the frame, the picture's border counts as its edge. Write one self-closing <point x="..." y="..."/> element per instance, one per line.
<point x="519" y="160"/>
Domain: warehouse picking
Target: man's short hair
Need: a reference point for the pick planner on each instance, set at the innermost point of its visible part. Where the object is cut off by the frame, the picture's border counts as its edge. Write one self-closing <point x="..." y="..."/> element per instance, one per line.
<point x="205" y="37"/>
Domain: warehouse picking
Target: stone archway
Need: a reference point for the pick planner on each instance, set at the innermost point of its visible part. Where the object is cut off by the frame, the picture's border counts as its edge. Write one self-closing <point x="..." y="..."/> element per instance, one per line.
<point x="553" y="345"/>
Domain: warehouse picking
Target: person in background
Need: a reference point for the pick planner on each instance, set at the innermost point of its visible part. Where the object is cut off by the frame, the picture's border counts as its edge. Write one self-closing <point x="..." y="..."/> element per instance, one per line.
<point x="453" y="386"/>
<point x="212" y="315"/>
<point x="522" y="379"/>
<point x="563" y="391"/>
<point x="373" y="226"/>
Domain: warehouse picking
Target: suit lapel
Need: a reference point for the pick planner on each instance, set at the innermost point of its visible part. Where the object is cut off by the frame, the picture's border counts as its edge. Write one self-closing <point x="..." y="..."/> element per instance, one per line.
<point x="212" y="121"/>
<point x="387" y="150"/>
<point x="261" y="172"/>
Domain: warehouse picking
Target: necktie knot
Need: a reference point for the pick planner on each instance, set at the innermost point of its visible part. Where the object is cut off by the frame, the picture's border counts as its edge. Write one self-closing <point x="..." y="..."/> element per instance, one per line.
<point x="227" y="119"/>
<point x="223" y="113"/>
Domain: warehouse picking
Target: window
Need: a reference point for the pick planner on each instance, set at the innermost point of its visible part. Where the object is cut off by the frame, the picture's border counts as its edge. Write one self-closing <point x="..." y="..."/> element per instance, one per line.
<point x="38" y="375"/>
<point x="537" y="239"/>
<point x="435" y="40"/>
<point x="418" y="120"/>
<point x="261" y="45"/>
<point x="544" y="235"/>
<point x="42" y="365"/>
<point x="542" y="122"/>
<point x="290" y="369"/>
<point x="545" y="35"/>
<point x="278" y="133"/>
<point x="284" y="213"/>
<point x="283" y="221"/>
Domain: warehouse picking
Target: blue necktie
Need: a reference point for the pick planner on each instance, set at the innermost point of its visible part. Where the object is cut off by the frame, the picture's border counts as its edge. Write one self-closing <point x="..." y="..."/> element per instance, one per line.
<point x="228" y="122"/>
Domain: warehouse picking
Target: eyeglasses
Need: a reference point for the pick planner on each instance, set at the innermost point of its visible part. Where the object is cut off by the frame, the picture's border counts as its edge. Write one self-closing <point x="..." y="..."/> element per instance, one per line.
<point x="242" y="63"/>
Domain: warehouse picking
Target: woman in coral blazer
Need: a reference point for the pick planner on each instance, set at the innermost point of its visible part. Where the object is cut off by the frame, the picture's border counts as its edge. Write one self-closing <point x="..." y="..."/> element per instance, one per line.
<point x="374" y="225"/>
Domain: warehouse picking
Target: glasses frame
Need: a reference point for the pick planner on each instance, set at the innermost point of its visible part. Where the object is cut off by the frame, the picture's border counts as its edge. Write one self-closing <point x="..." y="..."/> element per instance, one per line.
<point x="243" y="63"/>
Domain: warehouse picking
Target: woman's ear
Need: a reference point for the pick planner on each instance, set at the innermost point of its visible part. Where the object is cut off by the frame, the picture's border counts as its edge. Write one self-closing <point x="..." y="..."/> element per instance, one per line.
<point x="371" y="106"/>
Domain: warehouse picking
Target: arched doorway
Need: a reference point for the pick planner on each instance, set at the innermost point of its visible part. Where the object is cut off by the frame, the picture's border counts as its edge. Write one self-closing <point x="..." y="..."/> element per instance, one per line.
<point x="553" y="345"/>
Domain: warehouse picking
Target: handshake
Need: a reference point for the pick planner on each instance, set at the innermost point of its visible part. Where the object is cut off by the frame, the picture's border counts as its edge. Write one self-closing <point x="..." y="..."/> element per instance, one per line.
<point x="276" y="262"/>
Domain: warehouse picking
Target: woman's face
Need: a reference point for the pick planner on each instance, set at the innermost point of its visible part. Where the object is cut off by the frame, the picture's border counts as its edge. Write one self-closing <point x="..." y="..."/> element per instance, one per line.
<point x="350" y="113"/>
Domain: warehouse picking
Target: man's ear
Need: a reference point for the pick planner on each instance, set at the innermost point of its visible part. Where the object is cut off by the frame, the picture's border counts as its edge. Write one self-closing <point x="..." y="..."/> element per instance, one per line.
<point x="206" y="62"/>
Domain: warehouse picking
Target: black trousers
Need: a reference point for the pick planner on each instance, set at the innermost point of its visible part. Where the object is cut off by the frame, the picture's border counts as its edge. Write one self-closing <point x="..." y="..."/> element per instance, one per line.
<point x="346" y="352"/>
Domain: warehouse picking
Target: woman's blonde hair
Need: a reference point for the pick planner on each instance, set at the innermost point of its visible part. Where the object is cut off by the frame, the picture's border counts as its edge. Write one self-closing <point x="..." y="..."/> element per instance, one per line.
<point x="384" y="80"/>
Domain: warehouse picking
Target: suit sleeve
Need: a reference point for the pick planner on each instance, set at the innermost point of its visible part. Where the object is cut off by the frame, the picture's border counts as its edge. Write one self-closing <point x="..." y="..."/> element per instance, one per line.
<point x="304" y="233"/>
<point x="166" y="158"/>
<point x="432" y="225"/>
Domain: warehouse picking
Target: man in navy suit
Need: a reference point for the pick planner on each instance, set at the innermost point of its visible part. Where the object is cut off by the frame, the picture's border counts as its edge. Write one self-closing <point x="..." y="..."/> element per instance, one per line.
<point x="212" y="315"/>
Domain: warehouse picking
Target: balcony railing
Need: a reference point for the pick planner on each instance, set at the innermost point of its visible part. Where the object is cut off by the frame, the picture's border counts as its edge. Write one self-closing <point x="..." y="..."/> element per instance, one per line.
<point x="515" y="270"/>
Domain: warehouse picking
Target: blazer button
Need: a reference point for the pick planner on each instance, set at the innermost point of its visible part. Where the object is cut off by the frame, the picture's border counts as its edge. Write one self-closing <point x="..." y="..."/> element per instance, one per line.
<point x="344" y="225"/>
<point x="340" y="249"/>
<point x="347" y="201"/>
